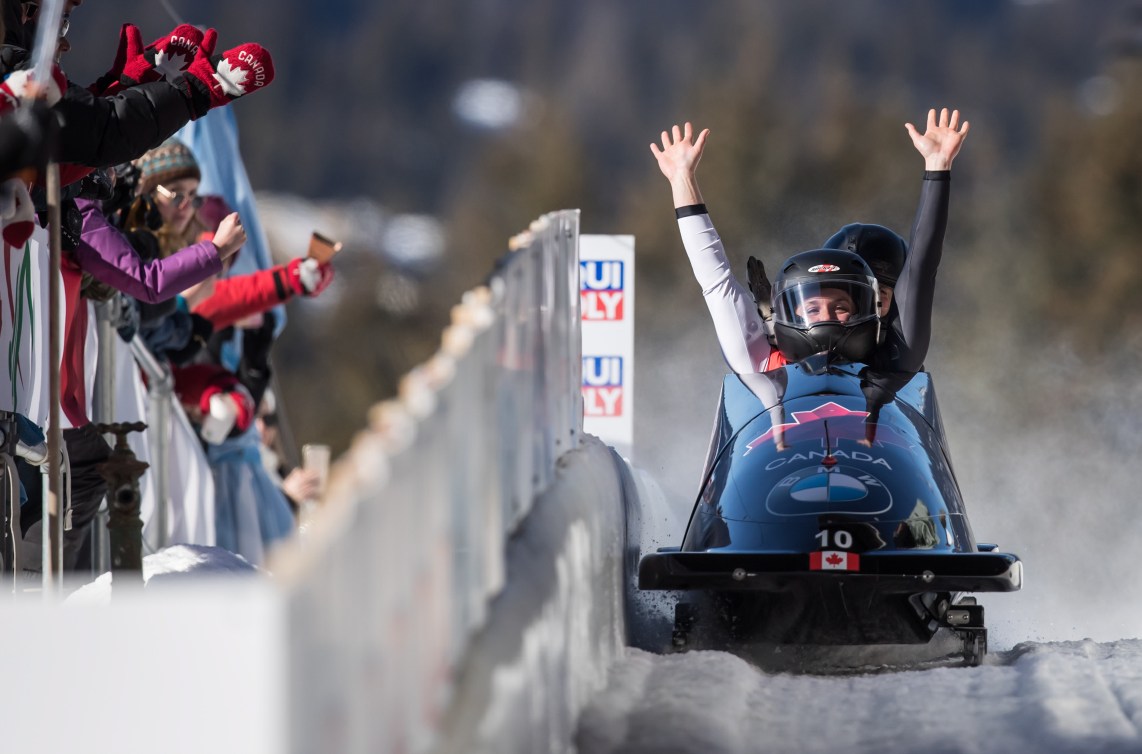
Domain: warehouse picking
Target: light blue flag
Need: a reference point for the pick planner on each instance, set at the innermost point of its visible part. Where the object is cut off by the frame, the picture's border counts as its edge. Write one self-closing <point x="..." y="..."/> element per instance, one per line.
<point x="214" y="141"/>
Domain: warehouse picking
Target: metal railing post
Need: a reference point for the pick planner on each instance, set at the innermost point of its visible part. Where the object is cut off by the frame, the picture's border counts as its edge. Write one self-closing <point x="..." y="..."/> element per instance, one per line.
<point x="52" y="516"/>
<point x="106" y="314"/>
<point x="160" y="393"/>
<point x="12" y="532"/>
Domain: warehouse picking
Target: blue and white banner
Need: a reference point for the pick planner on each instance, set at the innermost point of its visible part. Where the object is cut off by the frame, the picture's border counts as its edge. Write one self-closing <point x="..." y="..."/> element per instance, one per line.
<point x="214" y="141"/>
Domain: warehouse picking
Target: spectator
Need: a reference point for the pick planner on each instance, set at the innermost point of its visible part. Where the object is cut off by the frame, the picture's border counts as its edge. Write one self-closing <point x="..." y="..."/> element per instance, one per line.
<point x="100" y="128"/>
<point x="252" y="511"/>
<point x="298" y="484"/>
<point x="104" y="253"/>
<point x="136" y="106"/>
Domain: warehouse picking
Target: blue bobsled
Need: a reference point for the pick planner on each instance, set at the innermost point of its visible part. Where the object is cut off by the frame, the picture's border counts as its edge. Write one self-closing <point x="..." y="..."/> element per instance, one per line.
<point x="829" y="515"/>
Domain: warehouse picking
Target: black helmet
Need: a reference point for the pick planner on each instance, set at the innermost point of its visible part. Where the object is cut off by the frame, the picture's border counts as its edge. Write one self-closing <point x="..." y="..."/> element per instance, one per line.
<point x="879" y="247"/>
<point x="810" y="294"/>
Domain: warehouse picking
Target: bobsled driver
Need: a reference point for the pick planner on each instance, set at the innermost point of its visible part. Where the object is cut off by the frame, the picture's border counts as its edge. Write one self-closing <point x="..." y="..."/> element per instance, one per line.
<point x="824" y="299"/>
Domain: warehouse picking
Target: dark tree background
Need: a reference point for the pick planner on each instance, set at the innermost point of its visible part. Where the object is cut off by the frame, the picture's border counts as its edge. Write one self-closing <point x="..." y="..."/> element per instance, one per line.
<point x="806" y="100"/>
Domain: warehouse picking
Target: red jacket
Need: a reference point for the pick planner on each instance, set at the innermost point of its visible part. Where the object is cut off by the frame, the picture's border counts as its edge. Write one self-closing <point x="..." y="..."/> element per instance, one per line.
<point x="238" y="297"/>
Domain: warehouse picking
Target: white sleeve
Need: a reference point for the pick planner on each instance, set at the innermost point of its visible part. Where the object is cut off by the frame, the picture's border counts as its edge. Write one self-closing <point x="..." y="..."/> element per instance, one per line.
<point x="732" y="307"/>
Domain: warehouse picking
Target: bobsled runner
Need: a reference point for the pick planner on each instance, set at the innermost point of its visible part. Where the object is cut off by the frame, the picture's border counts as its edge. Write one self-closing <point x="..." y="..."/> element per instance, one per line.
<point x="829" y="514"/>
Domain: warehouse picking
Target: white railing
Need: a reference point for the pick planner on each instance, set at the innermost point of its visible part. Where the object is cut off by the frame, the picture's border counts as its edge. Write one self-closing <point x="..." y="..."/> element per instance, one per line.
<point x="394" y="574"/>
<point x="355" y="642"/>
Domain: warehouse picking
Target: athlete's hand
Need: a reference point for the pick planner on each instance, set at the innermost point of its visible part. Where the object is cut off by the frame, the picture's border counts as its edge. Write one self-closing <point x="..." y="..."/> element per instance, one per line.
<point x="941" y="140"/>
<point x="680" y="151"/>
<point x="678" y="160"/>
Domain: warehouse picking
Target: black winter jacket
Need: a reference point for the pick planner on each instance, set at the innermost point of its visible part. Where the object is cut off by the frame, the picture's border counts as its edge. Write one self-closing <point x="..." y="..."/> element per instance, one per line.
<point x="103" y="131"/>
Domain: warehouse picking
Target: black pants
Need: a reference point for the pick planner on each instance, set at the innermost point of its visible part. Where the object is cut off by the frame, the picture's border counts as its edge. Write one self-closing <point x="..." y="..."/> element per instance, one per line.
<point x="86" y="449"/>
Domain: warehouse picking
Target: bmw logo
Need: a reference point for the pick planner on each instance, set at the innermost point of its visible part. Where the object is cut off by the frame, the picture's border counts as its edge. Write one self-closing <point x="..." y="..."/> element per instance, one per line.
<point x="816" y="490"/>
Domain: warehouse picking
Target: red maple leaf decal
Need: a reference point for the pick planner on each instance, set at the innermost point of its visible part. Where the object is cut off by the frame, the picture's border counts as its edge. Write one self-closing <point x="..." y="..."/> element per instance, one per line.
<point x="828" y="410"/>
<point x="844" y="424"/>
<point x="834" y="559"/>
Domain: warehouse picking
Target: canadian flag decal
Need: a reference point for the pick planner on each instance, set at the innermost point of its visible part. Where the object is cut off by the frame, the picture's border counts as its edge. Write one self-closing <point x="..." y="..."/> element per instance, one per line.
<point x="834" y="560"/>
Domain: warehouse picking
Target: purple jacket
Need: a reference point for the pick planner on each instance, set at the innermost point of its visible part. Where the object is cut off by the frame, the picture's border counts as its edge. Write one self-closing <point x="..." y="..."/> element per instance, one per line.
<point x="108" y="256"/>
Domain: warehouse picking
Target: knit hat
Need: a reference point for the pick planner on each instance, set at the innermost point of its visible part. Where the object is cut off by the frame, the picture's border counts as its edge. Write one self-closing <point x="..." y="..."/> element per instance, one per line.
<point x="167" y="162"/>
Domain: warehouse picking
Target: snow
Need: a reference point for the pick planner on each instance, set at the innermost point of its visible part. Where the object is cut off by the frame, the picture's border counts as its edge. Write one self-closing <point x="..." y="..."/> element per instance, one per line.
<point x="1065" y="669"/>
<point x="1044" y="697"/>
<point x="175" y="563"/>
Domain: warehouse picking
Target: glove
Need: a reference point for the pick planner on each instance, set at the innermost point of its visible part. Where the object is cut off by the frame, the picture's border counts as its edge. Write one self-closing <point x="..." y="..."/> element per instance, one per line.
<point x="173" y="54"/>
<point x="308" y="277"/>
<point x="96" y="186"/>
<point x="219" y="414"/>
<point x="223" y="411"/>
<point x="127" y="325"/>
<point x="226" y="77"/>
<point x="19" y="215"/>
<point x="201" y="330"/>
<point x="135" y="64"/>
<point x="70" y="225"/>
<point x="111" y="78"/>
<point x="129" y="51"/>
<point x="20" y="87"/>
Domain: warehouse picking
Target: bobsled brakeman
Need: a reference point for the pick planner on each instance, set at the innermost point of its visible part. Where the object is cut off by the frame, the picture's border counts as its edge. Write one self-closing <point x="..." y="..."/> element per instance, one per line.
<point x="829" y="513"/>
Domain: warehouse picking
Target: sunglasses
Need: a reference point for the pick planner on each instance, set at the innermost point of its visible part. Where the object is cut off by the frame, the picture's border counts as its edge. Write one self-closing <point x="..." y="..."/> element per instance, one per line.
<point x="180" y="200"/>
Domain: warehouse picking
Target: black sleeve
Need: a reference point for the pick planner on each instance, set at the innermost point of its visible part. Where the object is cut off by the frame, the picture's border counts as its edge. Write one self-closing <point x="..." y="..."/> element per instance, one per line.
<point x="916" y="287"/>
<point x="151" y="314"/>
<point x="26" y="135"/>
<point x="254" y="367"/>
<point x="200" y="332"/>
<point x="104" y="131"/>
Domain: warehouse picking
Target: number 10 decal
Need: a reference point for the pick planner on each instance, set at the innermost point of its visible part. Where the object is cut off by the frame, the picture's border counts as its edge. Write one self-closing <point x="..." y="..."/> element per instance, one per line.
<point x="842" y="540"/>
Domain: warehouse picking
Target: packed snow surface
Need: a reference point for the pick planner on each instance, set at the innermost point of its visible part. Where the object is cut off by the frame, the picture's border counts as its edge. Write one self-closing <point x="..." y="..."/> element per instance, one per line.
<point x="1078" y="696"/>
<point x="172" y="564"/>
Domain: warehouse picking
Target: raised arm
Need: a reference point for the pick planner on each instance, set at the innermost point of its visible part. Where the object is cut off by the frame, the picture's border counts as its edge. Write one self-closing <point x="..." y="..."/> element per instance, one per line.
<point x="106" y="253"/>
<point x="915" y="289"/>
<point x="740" y="331"/>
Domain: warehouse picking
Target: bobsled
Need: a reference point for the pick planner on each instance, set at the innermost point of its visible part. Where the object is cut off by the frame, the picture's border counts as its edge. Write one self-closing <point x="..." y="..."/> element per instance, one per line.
<point x="829" y="514"/>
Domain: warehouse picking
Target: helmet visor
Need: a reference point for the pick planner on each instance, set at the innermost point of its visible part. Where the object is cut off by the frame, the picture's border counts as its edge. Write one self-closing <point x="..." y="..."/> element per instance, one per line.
<point x="804" y="304"/>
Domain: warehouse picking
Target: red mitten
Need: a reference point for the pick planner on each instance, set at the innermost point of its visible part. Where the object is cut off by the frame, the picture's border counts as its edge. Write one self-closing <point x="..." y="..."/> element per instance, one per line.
<point x="219" y="414"/>
<point x="130" y="52"/>
<point x="70" y="173"/>
<point x="135" y="64"/>
<point x="308" y="277"/>
<point x="173" y="54"/>
<point x="236" y="72"/>
<point x="224" y="411"/>
<point x="18" y="228"/>
<point x="20" y="86"/>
